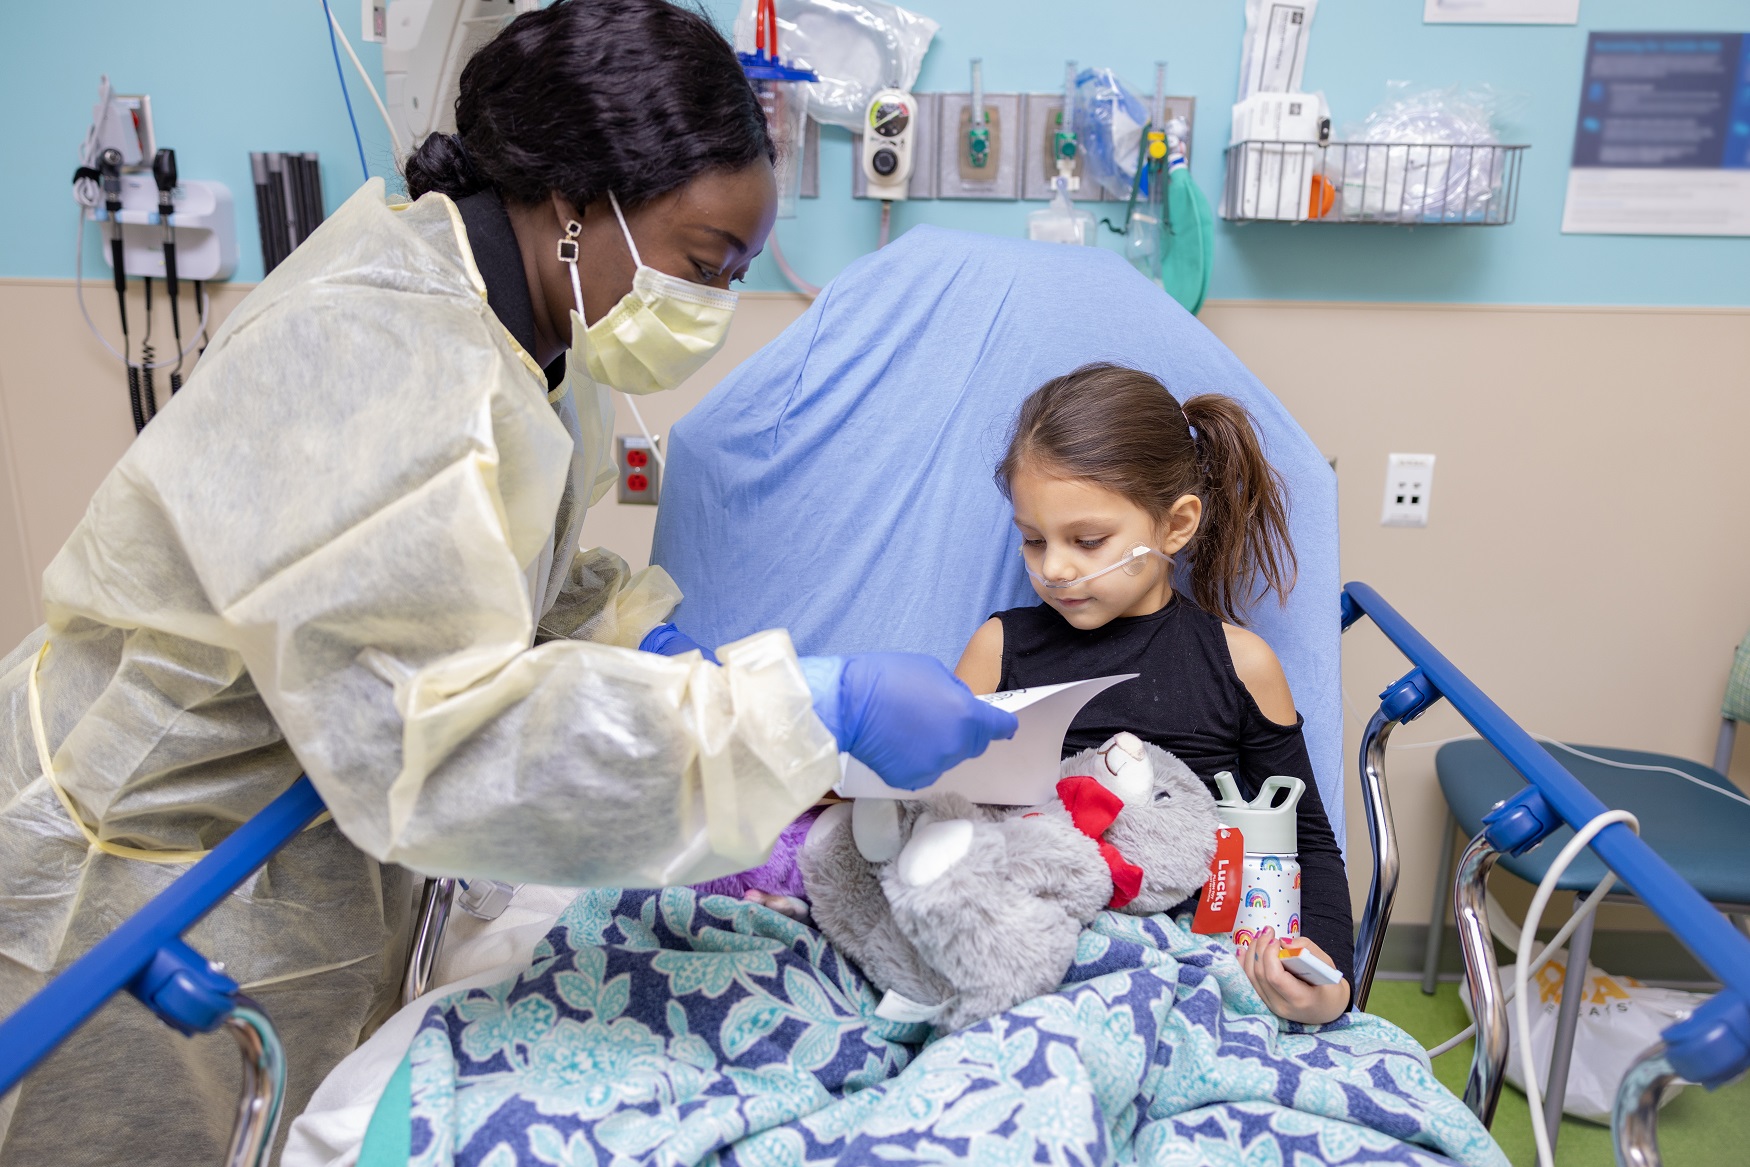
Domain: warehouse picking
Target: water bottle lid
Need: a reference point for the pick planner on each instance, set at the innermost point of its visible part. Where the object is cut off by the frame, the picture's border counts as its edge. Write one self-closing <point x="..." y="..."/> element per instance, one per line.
<point x="1267" y="823"/>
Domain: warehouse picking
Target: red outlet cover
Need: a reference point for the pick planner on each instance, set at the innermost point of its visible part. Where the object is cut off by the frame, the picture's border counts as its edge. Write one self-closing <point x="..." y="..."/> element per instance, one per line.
<point x="637" y="482"/>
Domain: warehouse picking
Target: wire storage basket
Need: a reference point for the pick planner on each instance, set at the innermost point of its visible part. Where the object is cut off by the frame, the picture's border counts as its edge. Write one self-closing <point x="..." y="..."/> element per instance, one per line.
<point x="1405" y="183"/>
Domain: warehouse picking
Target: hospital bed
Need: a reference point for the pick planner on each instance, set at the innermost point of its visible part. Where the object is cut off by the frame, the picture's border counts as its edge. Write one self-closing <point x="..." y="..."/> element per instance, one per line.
<point x="815" y="472"/>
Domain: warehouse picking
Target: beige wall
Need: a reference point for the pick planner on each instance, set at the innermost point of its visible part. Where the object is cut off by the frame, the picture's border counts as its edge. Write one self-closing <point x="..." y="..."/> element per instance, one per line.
<point x="1587" y="559"/>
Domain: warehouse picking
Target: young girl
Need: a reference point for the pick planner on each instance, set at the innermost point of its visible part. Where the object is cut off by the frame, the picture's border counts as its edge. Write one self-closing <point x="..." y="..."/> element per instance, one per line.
<point x="1110" y="479"/>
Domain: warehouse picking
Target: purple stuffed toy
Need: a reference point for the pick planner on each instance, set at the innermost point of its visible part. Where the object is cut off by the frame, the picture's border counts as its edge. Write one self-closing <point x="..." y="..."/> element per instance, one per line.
<point x="776" y="883"/>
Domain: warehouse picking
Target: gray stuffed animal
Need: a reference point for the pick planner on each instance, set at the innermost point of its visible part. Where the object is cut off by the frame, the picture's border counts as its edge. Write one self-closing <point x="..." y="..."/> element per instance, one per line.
<point x="958" y="911"/>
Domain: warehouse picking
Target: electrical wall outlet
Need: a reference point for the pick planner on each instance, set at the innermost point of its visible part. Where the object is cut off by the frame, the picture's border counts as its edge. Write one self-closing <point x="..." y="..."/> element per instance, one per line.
<point x="1408" y="479"/>
<point x="640" y="475"/>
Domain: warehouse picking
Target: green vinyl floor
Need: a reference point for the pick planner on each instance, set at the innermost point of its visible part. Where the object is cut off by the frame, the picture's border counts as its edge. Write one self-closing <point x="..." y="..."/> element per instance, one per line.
<point x="1697" y="1129"/>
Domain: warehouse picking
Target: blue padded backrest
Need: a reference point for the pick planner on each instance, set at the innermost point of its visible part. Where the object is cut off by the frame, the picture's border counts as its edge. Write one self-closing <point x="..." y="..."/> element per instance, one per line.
<point x="838" y="484"/>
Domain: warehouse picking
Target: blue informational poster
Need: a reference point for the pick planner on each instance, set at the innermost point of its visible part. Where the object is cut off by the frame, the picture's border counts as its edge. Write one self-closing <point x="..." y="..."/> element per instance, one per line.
<point x="1662" y="138"/>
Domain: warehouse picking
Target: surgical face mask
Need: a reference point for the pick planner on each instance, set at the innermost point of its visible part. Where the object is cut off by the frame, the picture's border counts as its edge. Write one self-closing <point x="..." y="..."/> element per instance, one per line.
<point x="1130" y="563"/>
<point x="660" y="332"/>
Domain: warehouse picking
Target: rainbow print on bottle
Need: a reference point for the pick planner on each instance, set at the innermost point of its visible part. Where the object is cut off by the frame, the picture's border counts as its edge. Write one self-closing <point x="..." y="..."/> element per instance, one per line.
<point x="1271" y="873"/>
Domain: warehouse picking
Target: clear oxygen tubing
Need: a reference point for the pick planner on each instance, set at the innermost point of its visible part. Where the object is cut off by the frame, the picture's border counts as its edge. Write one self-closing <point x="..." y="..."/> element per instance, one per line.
<point x="383" y="110"/>
<point x="1522" y="973"/>
<point x="886" y="224"/>
<point x="790" y="273"/>
<point x="1131" y="561"/>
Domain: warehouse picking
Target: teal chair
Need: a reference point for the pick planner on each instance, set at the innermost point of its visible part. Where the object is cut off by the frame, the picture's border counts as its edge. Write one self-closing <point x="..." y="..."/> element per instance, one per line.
<point x="1699" y="825"/>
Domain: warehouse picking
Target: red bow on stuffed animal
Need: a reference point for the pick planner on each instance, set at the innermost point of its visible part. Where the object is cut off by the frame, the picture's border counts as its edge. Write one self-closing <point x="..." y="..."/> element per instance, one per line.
<point x="1092" y="808"/>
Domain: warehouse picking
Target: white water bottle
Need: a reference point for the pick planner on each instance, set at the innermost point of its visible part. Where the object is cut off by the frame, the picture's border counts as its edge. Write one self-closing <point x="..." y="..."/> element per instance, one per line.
<point x="1270" y="878"/>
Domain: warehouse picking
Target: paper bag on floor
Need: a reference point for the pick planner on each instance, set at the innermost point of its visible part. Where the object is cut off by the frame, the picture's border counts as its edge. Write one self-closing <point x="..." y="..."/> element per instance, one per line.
<point x="1619" y="1018"/>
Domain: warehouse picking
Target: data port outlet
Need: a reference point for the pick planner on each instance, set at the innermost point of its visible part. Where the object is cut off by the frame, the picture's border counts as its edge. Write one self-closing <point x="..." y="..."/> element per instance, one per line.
<point x="1408" y="479"/>
<point x="640" y="473"/>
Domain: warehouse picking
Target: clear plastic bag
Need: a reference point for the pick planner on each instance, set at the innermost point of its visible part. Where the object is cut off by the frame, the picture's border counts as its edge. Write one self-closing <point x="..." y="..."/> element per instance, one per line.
<point x="1420" y="157"/>
<point x="855" y="46"/>
<point x="1110" y="118"/>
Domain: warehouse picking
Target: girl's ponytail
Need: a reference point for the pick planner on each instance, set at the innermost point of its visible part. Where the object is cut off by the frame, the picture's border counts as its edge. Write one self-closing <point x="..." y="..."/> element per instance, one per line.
<point x="1243" y="538"/>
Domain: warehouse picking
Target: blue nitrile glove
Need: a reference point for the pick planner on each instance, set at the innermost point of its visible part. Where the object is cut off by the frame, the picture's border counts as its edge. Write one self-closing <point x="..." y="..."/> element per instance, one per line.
<point x="902" y="714"/>
<point x="671" y="641"/>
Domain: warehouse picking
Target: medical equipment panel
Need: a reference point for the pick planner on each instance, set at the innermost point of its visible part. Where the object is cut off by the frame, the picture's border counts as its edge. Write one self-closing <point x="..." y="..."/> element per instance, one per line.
<point x="921" y="131"/>
<point x="204" y="220"/>
<point x="890" y="144"/>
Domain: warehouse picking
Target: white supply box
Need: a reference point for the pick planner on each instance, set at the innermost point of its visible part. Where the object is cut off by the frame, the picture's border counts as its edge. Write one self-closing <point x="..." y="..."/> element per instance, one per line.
<point x="1278" y="135"/>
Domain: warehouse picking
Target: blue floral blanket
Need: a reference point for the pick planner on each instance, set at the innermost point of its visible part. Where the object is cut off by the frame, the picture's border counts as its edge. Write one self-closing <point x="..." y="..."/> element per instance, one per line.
<point x="665" y="1027"/>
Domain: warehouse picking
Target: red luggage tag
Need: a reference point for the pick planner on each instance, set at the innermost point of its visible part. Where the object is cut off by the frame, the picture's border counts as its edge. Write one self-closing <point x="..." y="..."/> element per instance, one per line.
<point x="1221" y="892"/>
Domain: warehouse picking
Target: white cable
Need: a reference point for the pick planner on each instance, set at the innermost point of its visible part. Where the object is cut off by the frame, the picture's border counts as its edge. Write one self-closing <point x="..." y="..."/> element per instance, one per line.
<point x="79" y="295"/>
<point x="1733" y="795"/>
<point x="1564" y="746"/>
<point x="1549" y="950"/>
<point x="796" y="281"/>
<point x="655" y="448"/>
<point x="394" y="137"/>
<point x="86" y="191"/>
<point x="1522" y="974"/>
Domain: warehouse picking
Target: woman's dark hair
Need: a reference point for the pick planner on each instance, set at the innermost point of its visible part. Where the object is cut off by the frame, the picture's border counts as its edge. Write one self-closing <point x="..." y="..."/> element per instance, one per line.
<point x="1119" y="428"/>
<point x="637" y="97"/>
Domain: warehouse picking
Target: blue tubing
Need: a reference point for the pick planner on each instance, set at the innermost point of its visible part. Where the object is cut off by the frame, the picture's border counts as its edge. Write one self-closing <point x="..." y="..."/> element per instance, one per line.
<point x="1721" y="948"/>
<point x="65" y="1003"/>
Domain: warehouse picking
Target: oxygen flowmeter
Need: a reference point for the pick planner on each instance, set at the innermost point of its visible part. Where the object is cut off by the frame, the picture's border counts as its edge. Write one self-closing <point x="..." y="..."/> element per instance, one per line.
<point x="889" y="134"/>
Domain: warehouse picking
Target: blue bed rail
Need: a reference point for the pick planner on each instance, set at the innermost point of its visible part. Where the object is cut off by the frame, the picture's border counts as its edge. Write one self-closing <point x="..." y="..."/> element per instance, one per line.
<point x="1712" y="1046"/>
<point x="147" y="956"/>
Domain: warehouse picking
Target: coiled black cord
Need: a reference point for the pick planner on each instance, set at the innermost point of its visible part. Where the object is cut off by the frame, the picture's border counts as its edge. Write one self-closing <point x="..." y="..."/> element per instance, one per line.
<point x="134" y="397"/>
<point x="148" y="390"/>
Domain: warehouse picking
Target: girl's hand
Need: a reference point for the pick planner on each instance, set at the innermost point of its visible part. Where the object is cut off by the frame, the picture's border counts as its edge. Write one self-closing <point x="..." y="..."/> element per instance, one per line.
<point x="1287" y="995"/>
<point x="785" y="905"/>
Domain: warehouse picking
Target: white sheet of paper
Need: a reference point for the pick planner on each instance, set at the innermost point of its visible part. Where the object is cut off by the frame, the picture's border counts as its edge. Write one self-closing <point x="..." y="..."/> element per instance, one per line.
<point x="1022" y="771"/>
<point x="1501" y="11"/>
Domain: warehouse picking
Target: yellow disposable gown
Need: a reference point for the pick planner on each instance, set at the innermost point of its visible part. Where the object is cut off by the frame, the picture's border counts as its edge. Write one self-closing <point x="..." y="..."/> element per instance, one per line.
<point x="349" y="547"/>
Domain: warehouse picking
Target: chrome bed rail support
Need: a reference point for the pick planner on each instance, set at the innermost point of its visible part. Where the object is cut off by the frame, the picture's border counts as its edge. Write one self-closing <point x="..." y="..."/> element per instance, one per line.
<point x="428" y="937"/>
<point x="1482" y="1089"/>
<point x="1634" y="1120"/>
<point x="264" y="1085"/>
<point x="1383" y="888"/>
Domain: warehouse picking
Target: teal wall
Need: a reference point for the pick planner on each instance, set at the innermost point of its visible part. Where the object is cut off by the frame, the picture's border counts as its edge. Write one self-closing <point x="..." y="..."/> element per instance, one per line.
<point x="230" y="76"/>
